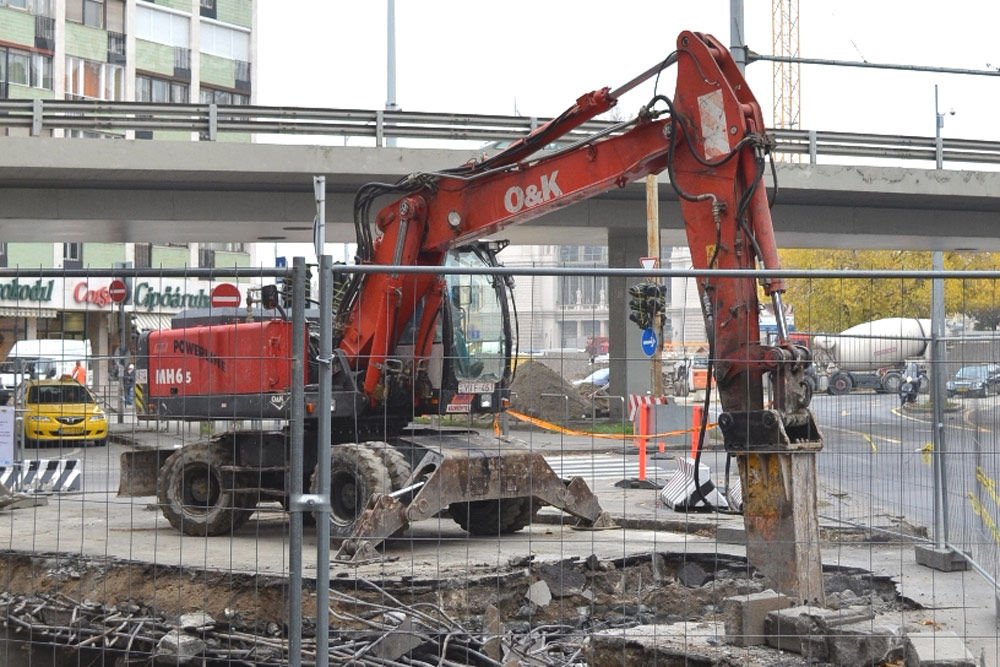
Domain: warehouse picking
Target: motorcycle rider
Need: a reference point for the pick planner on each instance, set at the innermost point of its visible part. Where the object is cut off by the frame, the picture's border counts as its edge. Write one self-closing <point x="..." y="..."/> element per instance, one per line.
<point x="911" y="384"/>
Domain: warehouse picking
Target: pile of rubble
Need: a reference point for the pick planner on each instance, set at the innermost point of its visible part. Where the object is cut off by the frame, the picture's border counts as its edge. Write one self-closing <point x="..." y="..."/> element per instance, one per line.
<point x="662" y="608"/>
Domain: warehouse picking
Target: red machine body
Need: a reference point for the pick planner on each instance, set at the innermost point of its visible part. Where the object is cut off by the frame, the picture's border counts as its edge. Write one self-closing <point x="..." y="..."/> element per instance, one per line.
<point x="204" y="366"/>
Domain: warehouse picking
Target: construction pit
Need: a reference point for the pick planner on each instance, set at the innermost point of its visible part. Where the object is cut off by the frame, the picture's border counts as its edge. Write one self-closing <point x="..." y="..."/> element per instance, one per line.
<point x="107" y="581"/>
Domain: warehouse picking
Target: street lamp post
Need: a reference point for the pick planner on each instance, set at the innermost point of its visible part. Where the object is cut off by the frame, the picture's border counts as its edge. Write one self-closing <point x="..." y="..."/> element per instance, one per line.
<point x="938" y="124"/>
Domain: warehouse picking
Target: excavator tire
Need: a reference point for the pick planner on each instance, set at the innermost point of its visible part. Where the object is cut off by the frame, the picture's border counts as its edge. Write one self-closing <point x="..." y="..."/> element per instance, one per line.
<point x="195" y="494"/>
<point x="356" y="473"/>
<point x="394" y="460"/>
<point x="494" y="517"/>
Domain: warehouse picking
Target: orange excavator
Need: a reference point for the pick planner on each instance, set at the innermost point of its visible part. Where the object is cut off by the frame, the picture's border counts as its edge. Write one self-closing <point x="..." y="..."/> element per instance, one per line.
<point x="409" y="344"/>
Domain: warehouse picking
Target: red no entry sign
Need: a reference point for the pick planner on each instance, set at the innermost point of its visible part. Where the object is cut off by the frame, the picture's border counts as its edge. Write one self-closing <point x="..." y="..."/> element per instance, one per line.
<point x="225" y="295"/>
<point x="117" y="290"/>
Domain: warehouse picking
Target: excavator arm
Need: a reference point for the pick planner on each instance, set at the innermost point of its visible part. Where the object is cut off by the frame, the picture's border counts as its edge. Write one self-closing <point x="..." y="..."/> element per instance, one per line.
<point x="709" y="137"/>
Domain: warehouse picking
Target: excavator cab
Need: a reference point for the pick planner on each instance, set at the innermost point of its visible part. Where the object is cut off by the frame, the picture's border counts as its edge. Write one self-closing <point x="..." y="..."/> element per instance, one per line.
<point x="478" y="336"/>
<point x="469" y="368"/>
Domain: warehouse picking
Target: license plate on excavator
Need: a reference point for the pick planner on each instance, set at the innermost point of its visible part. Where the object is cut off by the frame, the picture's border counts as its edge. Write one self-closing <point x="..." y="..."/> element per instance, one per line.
<point x="476" y="387"/>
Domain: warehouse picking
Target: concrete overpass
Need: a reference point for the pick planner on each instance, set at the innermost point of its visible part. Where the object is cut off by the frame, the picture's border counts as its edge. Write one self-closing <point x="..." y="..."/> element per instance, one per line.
<point x="78" y="190"/>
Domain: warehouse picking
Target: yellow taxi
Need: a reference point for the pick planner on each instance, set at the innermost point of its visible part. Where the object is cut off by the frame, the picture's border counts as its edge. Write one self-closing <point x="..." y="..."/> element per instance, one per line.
<point x="61" y="411"/>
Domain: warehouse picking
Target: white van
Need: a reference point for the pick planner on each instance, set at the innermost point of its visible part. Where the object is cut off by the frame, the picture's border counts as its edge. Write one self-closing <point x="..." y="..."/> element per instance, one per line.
<point x="43" y="358"/>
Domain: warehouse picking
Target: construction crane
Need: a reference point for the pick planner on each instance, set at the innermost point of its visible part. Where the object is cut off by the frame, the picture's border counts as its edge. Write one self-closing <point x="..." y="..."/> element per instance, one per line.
<point x="787" y="95"/>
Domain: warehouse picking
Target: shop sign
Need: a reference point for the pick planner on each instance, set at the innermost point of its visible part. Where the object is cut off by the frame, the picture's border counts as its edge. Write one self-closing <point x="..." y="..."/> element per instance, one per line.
<point x="145" y="296"/>
<point x="15" y="290"/>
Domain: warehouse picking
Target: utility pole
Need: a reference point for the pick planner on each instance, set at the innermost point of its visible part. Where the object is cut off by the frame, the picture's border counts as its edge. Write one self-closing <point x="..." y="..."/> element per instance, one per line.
<point x="653" y="250"/>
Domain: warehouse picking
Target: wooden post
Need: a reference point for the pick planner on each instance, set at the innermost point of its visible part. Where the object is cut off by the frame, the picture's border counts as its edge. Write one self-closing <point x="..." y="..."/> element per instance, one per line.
<point x="653" y="250"/>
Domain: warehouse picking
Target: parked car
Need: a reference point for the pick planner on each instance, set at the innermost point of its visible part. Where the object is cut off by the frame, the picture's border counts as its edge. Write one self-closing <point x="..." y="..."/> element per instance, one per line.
<point x="600" y="378"/>
<point x="61" y="411"/>
<point x="978" y="380"/>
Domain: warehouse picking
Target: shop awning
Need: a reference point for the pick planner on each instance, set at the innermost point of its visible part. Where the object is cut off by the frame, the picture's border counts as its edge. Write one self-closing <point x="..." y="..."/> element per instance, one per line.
<point x="27" y="311"/>
<point x="151" y="321"/>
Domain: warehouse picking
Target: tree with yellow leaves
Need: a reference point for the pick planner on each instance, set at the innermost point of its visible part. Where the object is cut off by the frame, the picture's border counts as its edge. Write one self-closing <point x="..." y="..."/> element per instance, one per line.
<point x="834" y="304"/>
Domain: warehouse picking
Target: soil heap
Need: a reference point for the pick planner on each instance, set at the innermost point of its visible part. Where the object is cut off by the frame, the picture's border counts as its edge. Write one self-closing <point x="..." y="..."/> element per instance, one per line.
<point x="540" y="392"/>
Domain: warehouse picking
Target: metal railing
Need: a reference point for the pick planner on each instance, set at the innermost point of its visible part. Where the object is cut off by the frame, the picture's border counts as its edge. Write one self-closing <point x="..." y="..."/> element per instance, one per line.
<point x="209" y="120"/>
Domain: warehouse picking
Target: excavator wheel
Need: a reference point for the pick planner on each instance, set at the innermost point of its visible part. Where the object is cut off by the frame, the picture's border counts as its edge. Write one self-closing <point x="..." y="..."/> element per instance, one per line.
<point x="494" y="517"/>
<point x="394" y="460"/>
<point x="196" y="495"/>
<point x="356" y="473"/>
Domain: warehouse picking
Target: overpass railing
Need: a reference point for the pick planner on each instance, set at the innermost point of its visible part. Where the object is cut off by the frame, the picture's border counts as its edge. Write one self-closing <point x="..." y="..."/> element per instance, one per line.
<point x="210" y="121"/>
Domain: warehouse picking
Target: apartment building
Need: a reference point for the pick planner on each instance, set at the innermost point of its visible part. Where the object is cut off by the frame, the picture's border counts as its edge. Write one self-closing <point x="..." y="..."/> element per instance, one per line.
<point x="155" y="51"/>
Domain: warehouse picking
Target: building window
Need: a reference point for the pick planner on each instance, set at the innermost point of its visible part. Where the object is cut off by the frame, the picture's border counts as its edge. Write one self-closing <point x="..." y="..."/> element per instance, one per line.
<point x="210" y="95"/>
<point x="206" y="258"/>
<point x="72" y="255"/>
<point x="24" y="68"/>
<point x="581" y="291"/>
<point x="569" y="253"/>
<point x="87" y="12"/>
<point x="155" y="89"/>
<point x="3" y="254"/>
<point x="88" y="79"/>
<point x="225" y="42"/>
<point x="93" y="13"/>
<point x="594" y="254"/>
<point x="16" y="4"/>
<point x="143" y="255"/>
<point x="208" y="9"/>
<point x="155" y="25"/>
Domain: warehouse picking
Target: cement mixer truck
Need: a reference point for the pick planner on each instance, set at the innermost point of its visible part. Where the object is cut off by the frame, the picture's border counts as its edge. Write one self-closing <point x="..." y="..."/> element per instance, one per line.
<point x="872" y="355"/>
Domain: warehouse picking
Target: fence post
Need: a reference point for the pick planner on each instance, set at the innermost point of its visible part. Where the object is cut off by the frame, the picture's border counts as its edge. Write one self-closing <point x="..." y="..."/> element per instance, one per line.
<point x="644" y="414"/>
<point x="940" y="556"/>
<point x="36" y="118"/>
<point x="696" y="411"/>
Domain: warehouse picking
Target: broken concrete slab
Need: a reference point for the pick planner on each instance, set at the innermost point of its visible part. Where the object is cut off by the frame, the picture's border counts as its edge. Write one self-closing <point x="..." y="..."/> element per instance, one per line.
<point x="859" y="643"/>
<point x="693" y="575"/>
<point x="539" y="594"/>
<point x="177" y="648"/>
<point x="563" y="579"/>
<point x="787" y="629"/>
<point x="744" y="616"/>
<point x="692" y="644"/>
<point x="938" y="649"/>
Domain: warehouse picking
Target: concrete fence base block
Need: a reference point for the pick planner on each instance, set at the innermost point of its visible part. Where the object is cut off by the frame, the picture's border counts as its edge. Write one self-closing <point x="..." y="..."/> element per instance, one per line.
<point x="943" y="560"/>
<point x="744" y="616"/>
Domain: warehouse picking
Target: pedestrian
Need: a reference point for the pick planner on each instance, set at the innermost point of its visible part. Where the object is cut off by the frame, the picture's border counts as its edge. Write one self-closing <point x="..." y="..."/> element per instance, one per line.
<point x="128" y="385"/>
<point x="79" y="373"/>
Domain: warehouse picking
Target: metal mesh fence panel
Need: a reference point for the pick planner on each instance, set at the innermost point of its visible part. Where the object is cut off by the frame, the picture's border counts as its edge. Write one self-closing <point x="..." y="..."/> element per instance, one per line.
<point x="486" y="538"/>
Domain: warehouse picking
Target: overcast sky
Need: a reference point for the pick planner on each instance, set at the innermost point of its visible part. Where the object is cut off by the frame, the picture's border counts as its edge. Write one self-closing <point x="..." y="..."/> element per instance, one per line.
<point x="535" y="58"/>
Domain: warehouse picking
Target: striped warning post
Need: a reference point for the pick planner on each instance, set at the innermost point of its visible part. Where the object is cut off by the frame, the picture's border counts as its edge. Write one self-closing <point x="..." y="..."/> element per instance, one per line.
<point x="43" y="476"/>
<point x="681" y="494"/>
<point x="635" y="400"/>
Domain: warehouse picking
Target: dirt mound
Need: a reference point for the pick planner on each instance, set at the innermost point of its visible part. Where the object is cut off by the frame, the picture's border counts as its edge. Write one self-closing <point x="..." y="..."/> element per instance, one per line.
<point x="541" y="392"/>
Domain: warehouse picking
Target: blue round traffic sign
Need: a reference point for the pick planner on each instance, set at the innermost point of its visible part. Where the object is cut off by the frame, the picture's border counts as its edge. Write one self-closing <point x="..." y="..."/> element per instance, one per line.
<point x="649" y="342"/>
